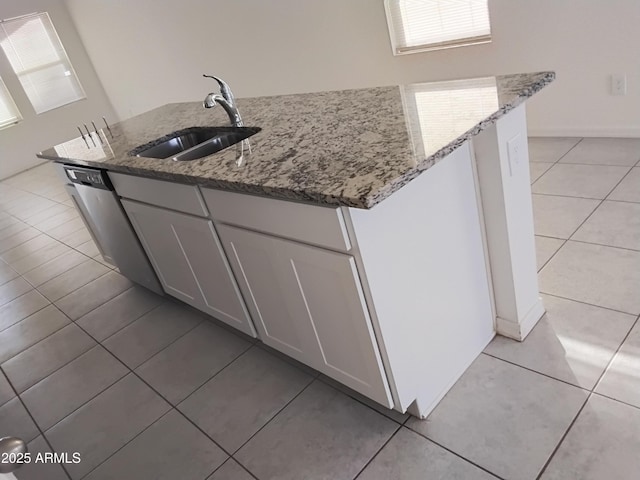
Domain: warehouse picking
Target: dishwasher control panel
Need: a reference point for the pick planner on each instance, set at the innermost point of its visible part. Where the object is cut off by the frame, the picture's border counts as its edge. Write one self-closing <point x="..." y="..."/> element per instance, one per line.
<point x="89" y="177"/>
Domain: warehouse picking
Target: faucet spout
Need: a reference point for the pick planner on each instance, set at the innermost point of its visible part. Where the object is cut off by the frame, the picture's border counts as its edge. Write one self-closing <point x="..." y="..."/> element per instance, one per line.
<point x="226" y="100"/>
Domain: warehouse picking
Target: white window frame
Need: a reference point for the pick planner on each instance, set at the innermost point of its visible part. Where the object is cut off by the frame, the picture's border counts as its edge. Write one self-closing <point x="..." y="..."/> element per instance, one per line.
<point x="7" y="100"/>
<point x="63" y="59"/>
<point x="391" y="10"/>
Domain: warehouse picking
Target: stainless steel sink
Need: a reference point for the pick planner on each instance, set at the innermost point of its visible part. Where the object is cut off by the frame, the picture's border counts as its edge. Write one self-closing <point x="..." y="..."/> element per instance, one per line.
<point x="194" y="142"/>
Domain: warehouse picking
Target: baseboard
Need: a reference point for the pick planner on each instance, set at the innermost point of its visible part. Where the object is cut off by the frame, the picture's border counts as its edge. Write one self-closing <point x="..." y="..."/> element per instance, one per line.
<point x="13" y="172"/>
<point x="620" y="132"/>
<point x="520" y="330"/>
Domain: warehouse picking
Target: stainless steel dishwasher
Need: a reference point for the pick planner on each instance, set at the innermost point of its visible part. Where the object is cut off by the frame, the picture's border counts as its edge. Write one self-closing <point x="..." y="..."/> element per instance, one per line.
<point x="99" y="206"/>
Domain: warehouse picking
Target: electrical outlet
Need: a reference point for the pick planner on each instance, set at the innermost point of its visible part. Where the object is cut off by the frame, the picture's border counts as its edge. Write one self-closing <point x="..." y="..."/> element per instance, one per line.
<point x="618" y="84"/>
<point x="515" y="154"/>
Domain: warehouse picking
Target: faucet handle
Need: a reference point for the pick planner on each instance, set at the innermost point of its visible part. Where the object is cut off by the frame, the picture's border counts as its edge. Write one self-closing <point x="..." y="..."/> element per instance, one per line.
<point x="225" y="90"/>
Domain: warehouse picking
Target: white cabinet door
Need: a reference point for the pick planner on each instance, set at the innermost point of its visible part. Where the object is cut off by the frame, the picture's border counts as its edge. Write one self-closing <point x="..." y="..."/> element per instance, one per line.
<point x="308" y="303"/>
<point x="190" y="263"/>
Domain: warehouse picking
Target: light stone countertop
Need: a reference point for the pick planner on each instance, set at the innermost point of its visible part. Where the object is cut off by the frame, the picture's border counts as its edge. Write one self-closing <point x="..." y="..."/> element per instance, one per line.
<point x="351" y="147"/>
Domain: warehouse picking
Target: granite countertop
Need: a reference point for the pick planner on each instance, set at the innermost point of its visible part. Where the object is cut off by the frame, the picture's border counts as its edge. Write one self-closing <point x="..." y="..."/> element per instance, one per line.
<point x="351" y="147"/>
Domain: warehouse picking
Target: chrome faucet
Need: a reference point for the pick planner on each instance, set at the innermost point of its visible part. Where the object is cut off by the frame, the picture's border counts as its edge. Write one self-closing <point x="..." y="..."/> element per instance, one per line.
<point x="225" y="99"/>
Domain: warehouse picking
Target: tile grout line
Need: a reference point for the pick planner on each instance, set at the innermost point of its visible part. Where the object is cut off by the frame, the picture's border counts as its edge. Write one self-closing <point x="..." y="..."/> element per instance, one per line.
<point x="76" y="289"/>
<point x="251" y="345"/>
<point x="635" y="323"/>
<point x="174" y="408"/>
<point x="130" y="440"/>
<point x="42" y="232"/>
<point x="378" y="452"/>
<point x="106" y="301"/>
<point x="244" y="468"/>
<point x="88" y="400"/>
<point x="29" y="220"/>
<point x="579" y="197"/>
<point x="235" y="461"/>
<point x="313" y="379"/>
<point x="38" y="224"/>
<point x="94" y="346"/>
<point x="30" y="315"/>
<point x="44" y="338"/>
<point x="614" y="200"/>
<point x="455" y="453"/>
<point x="82" y="286"/>
<point x="135" y="320"/>
<point x="589" y="164"/>
<point x="361" y="402"/>
<point x="31" y="253"/>
<point x="600" y="244"/>
<point x="616" y="400"/>
<point x="54" y="371"/>
<point x="70" y="322"/>
<point x="19" y="193"/>
<point x="562" y="438"/>
<point x="33" y="420"/>
<point x="133" y="372"/>
<point x="584" y="221"/>
<point x="58" y="274"/>
<point x="275" y="415"/>
<point x="89" y="283"/>
<point x="591" y="393"/>
<point x="29" y="191"/>
<point x="587" y="303"/>
<point x="588" y="243"/>
<point x="567" y="152"/>
<point x="535" y="371"/>
<point x="549" y="236"/>
<point x="121" y="328"/>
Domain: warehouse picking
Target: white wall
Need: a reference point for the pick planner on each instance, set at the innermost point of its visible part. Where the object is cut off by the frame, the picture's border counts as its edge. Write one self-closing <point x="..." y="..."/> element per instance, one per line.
<point x="150" y="52"/>
<point x="20" y="143"/>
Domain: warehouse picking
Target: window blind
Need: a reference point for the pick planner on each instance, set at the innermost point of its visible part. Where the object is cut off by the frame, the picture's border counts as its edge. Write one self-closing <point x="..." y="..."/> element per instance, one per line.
<point x="420" y="25"/>
<point x="9" y="113"/>
<point x="38" y="58"/>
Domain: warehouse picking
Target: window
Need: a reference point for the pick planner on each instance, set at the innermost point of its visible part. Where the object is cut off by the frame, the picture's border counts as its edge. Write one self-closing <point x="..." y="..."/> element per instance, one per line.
<point x="38" y="58"/>
<point x="422" y="25"/>
<point x="9" y="114"/>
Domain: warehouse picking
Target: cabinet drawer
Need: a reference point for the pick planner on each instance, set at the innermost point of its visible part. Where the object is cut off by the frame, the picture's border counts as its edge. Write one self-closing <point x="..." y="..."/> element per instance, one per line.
<point x="323" y="226"/>
<point x="175" y="196"/>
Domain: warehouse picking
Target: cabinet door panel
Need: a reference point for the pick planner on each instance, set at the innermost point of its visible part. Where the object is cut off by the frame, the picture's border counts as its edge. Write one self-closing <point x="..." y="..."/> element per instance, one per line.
<point x="190" y="262"/>
<point x="158" y="236"/>
<point x="219" y="292"/>
<point x="264" y="284"/>
<point x="308" y="303"/>
<point x="333" y="302"/>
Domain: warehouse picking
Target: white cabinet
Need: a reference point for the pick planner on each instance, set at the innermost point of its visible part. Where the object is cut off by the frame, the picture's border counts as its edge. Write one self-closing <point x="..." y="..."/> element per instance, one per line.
<point x="308" y="303"/>
<point x="188" y="258"/>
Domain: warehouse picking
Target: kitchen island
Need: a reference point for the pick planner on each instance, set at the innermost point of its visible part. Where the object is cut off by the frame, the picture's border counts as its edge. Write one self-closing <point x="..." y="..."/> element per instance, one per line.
<point x="381" y="236"/>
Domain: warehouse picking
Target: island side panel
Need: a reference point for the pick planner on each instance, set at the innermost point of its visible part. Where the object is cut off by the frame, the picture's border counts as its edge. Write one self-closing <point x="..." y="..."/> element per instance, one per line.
<point x="424" y="264"/>
<point x="503" y="173"/>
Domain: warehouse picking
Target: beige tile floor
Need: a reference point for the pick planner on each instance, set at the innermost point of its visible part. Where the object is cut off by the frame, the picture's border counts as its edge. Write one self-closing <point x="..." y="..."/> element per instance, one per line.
<point x="145" y="388"/>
